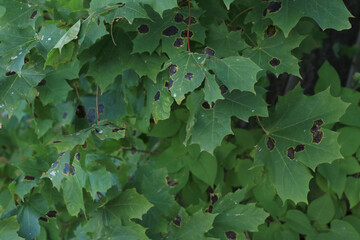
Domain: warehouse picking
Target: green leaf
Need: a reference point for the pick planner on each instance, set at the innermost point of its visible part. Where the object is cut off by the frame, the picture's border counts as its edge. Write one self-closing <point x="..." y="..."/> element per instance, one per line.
<point x="68" y="142"/>
<point x="349" y="140"/>
<point x="322" y="209"/>
<point x="129" y="205"/>
<point x="133" y="232"/>
<point x="9" y="228"/>
<point x="92" y="29"/>
<point x="59" y="169"/>
<point x="296" y="139"/>
<point x="12" y="14"/>
<point x="204" y="168"/>
<point x="227" y="3"/>
<point x="70" y="35"/>
<point x="73" y="196"/>
<point x="160" y="5"/>
<point x="328" y="77"/>
<point x="299" y="222"/>
<point x="98" y="181"/>
<point x="328" y="14"/>
<point x="340" y="229"/>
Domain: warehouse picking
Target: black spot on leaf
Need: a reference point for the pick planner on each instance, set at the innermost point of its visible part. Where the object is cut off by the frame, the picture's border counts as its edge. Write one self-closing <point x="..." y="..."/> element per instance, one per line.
<point x="209" y="209"/>
<point x="274" y="62"/>
<point x="230" y="235"/>
<point x="184" y="34"/>
<point x="318" y="122"/>
<point x="80" y="111"/>
<point x="66" y="169"/>
<point x="54" y="165"/>
<point x="157" y="96"/>
<point x="189" y="76"/>
<point x="143" y="29"/>
<point x="57" y="141"/>
<point x="318" y="136"/>
<point x="134" y="133"/>
<point x="33" y="15"/>
<point x="64" y="115"/>
<point x="10" y="73"/>
<point x="209" y="51"/>
<point x="171" y="83"/>
<point x="223" y="89"/>
<point x="91" y="115"/>
<point x="173" y="69"/>
<point x="120" y="5"/>
<point x="291" y="153"/>
<point x="4" y="147"/>
<point x="300" y="148"/>
<point x="177" y="220"/>
<point x="171" y="182"/>
<point x="77" y="156"/>
<point x="316" y="131"/>
<point x="178" y="18"/>
<point x="170" y="31"/>
<point x="270" y="143"/>
<point x="270" y="31"/>
<point x="117" y="129"/>
<point x="61" y="154"/>
<point x="214" y="198"/>
<point x="26" y="60"/>
<point x="192" y="21"/>
<point x="98" y="21"/>
<point x="274" y="6"/>
<point x="51" y="214"/>
<point x="44" y="219"/>
<point x="72" y="170"/>
<point x="101" y="108"/>
<point x="84" y="146"/>
<point x="179" y="42"/>
<point x="30" y="178"/>
<point x="207" y="106"/>
<point x="42" y="83"/>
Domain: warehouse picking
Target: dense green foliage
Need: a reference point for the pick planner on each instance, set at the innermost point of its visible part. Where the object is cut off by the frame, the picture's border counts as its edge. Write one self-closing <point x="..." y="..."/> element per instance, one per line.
<point x="149" y="119"/>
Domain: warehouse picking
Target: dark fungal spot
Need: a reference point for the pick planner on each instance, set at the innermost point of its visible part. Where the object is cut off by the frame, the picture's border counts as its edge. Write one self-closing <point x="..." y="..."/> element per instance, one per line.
<point x="214" y="198"/>
<point x="66" y="169"/>
<point x="84" y="146"/>
<point x="134" y="133"/>
<point x="42" y="83"/>
<point x="98" y="21"/>
<point x="177" y="220"/>
<point x="54" y="165"/>
<point x="44" y="219"/>
<point x="291" y="153"/>
<point x="51" y="214"/>
<point x="170" y="31"/>
<point x="189" y="76"/>
<point x="10" y="73"/>
<point x="72" y="170"/>
<point x="77" y="156"/>
<point x="143" y="29"/>
<point x="270" y="31"/>
<point x="192" y="21"/>
<point x="273" y="7"/>
<point x="171" y="83"/>
<point x="300" y="148"/>
<point x="157" y="96"/>
<point x="30" y="178"/>
<point x="57" y="141"/>
<point x="80" y="111"/>
<point x="318" y="122"/>
<point x="173" y="69"/>
<point x="91" y="115"/>
<point x="207" y="106"/>
<point x="209" y="209"/>
<point x="171" y="182"/>
<point x="64" y="115"/>
<point x="33" y="14"/>
<point x="120" y="5"/>
<point x="178" y="18"/>
<point x="117" y="129"/>
<point x="223" y="89"/>
<point x="274" y="62"/>
<point x="101" y="108"/>
<point x="230" y="235"/>
<point x="209" y="51"/>
<point x="184" y="34"/>
<point x="270" y="143"/>
<point x="4" y="147"/>
<point x="61" y="154"/>
<point x="26" y="60"/>
<point x="318" y="136"/>
<point x="179" y="42"/>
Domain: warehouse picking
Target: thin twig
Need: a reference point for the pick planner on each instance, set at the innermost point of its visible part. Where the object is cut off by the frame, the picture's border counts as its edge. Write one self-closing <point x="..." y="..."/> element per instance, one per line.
<point x="97" y="102"/>
<point x="262" y="127"/>
<point x="188" y="27"/>
<point x="111" y="33"/>
<point x="239" y="14"/>
<point x="77" y="91"/>
<point x="137" y="150"/>
<point x="247" y="235"/>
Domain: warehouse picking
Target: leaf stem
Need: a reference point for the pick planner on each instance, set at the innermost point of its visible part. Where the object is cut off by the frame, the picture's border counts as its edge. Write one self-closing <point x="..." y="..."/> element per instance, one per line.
<point x="188" y="27"/>
<point x="262" y="127"/>
<point x="97" y="102"/>
<point x="77" y="91"/>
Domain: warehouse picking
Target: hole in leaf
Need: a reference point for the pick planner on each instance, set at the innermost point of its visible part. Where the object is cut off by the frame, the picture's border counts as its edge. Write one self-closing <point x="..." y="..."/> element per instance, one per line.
<point x="91" y="115"/>
<point x="143" y="29"/>
<point x="177" y="220"/>
<point x="274" y="7"/>
<point x="274" y="62"/>
<point x="33" y="15"/>
<point x="51" y="214"/>
<point x="10" y="73"/>
<point x="291" y="153"/>
<point x="77" y="156"/>
<point x="300" y="148"/>
<point x="230" y="235"/>
<point x="30" y="178"/>
<point x="171" y="182"/>
<point x="189" y="76"/>
<point x="318" y="136"/>
<point x="118" y="129"/>
<point x="64" y="115"/>
<point x="192" y="21"/>
<point x="179" y="42"/>
<point x="209" y="209"/>
<point x="173" y="69"/>
<point x="66" y="169"/>
<point x="223" y="89"/>
<point x="270" y="31"/>
<point x="170" y="31"/>
<point x="54" y="165"/>
<point x="178" y="18"/>
<point x="101" y="108"/>
<point x="80" y="111"/>
<point x="57" y="141"/>
<point x="209" y="51"/>
<point x="270" y="143"/>
<point x="184" y="34"/>
<point x="41" y="83"/>
<point x="157" y="96"/>
<point x="44" y="219"/>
